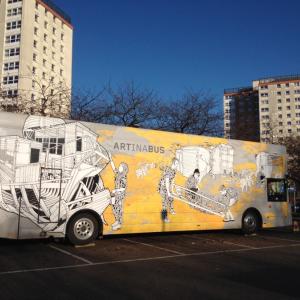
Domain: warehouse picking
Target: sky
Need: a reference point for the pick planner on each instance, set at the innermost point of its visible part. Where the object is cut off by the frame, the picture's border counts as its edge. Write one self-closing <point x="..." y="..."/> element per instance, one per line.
<point x="171" y="46"/>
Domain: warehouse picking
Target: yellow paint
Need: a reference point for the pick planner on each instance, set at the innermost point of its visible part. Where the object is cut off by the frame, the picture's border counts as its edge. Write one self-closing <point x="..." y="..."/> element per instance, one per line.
<point x="143" y="203"/>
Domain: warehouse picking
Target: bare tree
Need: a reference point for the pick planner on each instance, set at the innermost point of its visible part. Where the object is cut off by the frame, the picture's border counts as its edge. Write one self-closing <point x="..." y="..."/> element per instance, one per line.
<point x="293" y="150"/>
<point x="194" y="113"/>
<point x="46" y="97"/>
<point x="127" y="105"/>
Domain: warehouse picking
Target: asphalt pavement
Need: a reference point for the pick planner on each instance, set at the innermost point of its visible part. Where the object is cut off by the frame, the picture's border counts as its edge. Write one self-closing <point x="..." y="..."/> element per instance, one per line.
<point x="189" y="265"/>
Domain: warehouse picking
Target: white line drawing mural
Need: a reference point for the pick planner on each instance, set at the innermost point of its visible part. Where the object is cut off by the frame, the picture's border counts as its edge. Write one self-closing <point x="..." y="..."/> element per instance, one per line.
<point x="143" y="170"/>
<point x="216" y="160"/>
<point x="53" y="171"/>
<point x="165" y="189"/>
<point x="199" y="162"/>
<point x="119" y="193"/>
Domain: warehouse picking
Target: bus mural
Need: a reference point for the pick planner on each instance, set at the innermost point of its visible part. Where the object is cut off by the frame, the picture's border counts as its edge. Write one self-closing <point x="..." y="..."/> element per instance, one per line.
<point x="68" y="178"/>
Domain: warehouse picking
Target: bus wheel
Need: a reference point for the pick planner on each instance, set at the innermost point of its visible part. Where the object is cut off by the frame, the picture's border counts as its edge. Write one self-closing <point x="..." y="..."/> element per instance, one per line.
<point x="83" y="229"/>
<point x="250" y="222"/>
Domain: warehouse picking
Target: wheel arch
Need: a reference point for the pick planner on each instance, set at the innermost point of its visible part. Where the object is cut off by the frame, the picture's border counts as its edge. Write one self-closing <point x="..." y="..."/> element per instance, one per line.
<point x="89" y="211"/>
<point x="256" y="212"/>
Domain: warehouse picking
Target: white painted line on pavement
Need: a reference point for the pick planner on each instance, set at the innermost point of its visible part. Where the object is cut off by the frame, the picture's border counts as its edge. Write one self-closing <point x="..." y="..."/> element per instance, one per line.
<point x="223" y="242"/>
<point x="70" y="254"/>
<point x="145" y="259"/>
<point x="153" y="246"/>
<point x="280" y="239"/>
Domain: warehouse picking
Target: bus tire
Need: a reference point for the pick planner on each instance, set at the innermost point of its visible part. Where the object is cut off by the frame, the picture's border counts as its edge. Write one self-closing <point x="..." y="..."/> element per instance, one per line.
<point x="82" y="229"/>
<point x="250" y="222"/>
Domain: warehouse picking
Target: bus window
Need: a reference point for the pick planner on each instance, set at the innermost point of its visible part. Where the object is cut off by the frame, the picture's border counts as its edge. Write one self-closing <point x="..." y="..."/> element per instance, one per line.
<point x="34" y="155"/>
<point x="79" y="144"/>
<point x="276" y="190"/>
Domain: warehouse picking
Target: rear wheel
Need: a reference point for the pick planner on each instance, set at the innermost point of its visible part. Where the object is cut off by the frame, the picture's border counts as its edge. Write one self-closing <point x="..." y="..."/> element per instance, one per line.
<point x="250" y="222"/>
<point x="83" y="229"/>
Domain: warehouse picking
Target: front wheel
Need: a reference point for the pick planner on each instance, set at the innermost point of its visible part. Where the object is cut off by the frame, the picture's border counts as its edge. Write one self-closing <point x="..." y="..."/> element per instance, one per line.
<point x="83" y="229"/>
<point x="250" y="223"/>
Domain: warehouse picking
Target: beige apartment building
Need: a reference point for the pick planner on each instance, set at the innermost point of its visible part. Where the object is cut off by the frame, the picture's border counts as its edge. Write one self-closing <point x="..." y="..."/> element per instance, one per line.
<point x="36" y="40"/>
<point x="278" y="116"/>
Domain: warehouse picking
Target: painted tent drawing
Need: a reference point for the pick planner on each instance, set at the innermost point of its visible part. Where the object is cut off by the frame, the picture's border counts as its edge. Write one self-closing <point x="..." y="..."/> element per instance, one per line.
<point x="52" y="172"/>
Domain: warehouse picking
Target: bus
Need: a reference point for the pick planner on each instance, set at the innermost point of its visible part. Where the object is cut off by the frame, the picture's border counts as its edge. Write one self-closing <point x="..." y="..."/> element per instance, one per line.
<point x="80" y="180"/>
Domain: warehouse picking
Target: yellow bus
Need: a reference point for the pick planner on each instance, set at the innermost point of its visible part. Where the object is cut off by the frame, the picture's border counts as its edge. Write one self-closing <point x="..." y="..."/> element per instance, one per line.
<point x="82" y="180"/>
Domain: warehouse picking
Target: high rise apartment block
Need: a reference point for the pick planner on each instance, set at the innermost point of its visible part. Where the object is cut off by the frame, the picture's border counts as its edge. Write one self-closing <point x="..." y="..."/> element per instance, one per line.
<point x="241" y="114"/>
<point x="278" y="109"/>
<point x="36" y="55"/>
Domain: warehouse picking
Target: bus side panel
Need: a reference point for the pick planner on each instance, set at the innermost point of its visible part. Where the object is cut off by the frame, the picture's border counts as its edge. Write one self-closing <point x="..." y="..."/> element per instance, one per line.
<point x="232" y="179"/>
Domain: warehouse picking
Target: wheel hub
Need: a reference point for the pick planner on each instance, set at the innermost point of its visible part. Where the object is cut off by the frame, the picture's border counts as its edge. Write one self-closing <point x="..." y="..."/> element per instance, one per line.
<point x="83" y="229"/>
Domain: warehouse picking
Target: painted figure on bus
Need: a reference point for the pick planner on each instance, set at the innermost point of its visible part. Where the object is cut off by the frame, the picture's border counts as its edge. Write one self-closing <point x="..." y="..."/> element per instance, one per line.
<point x="165" y="189"/>
<point x="229" y="196"/>
<point x="192" y="185"/>
<point x="119" y="193"/>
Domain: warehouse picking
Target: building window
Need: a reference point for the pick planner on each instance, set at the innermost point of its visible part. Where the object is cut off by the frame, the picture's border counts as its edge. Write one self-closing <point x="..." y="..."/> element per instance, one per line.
<point x="13" y="38"/>
<point x="287" y="92"/>
<point x="297" y="106"/>
<point x="289" y="123"/>
<point x="35" y="30"/>
<point x="297" y="115"/>
<point x="297" y="91"/>
<point x="280" y="116"/>
<point x="33" y="70"/>
<point x="44" y="62"/>
<point x="35" y="44"/>
<point x="287" y="84"/>
<point x="279" y="108"/>
<point x="288" y="100"/>
<point x="279" y="93"/>
<point x="265" y="109"/>
<point x="278" y="85"/>
<point x="53" y="30"/>
<point x="13" y="1"/>
<point x="53" y="55"/>
<point x="53" y="43"/>
<point x="278" y="100"/>
<point x="288" y="115"/>
<point x="13" y="25"/>
<point x="10" y="79"/>
<point x="14" y="11"/>
<point x="62" y="36"/>
<point x="44" y="75"/>
<point x="289" y="130"/>
<point x="61" y="72"/>
<point x="264" y="87"/>
<point x="288" y="108"/>
<point x="45" y="50"/>
<point x="280" y="123"/>
<point x="45" y="25"/>
<point x="264" y="94"/>
<point x="12" y="52"/>
<point x="52" y="68"/>
<point x="36" y="17"/>
<point x="297" y="83"/>
<point x="61" y="60"/>
<point x="11" y="66"/>
<point x="45" y="37"/>
<point x="297" y="99"/>
<point x="61" y="48"/>
<point x="36" y="5"/>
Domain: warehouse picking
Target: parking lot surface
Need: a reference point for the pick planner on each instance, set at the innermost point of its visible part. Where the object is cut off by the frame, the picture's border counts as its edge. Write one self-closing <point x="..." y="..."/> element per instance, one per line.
<point x="189" y="265"/>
